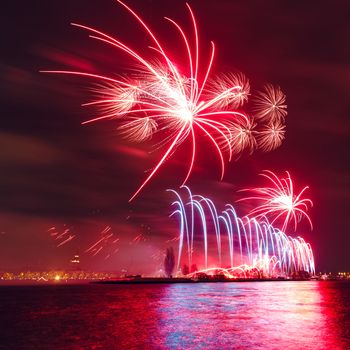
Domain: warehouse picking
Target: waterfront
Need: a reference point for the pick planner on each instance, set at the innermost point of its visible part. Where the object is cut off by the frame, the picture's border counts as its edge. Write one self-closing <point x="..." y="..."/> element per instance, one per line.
<point x="252" y="315"/>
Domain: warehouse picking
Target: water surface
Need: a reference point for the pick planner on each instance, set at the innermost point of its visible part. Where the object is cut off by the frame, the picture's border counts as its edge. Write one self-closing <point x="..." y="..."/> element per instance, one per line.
<point x="250" y="315"/>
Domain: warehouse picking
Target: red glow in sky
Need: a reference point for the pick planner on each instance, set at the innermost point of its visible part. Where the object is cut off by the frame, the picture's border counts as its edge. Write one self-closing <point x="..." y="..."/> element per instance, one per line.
<point x="55" y="171"/>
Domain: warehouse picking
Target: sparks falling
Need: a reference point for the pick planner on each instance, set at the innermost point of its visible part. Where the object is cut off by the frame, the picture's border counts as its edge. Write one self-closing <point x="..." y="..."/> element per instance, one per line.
<point x="254" y="245"/>
<point x="106" y="244"/>
<point x="61" y="238"/>
<point x="182" y="104"/>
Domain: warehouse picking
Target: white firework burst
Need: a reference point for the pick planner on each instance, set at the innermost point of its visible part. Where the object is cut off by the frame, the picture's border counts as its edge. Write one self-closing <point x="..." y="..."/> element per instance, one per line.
<point x="138" y="129"/>
<point x="270" y="104"/>
<point x="271" y="136"/>
<point x="243" y="135"/>
<point x="236" y="88"/>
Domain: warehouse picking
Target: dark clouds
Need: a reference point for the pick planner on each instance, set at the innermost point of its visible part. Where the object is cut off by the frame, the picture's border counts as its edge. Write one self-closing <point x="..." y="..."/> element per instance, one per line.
<point x="55" y="171"/>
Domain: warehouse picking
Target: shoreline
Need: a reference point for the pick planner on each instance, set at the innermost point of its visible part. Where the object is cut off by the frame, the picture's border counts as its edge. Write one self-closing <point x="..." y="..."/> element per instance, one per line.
<point x="161" y="280"/>
<point x="152" y="280"/>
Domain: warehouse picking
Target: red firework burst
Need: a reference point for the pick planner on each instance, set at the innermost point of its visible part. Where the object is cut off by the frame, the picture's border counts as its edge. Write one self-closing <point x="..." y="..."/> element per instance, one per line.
<point x="186" y="103"/>
<point x="280" y="202"/>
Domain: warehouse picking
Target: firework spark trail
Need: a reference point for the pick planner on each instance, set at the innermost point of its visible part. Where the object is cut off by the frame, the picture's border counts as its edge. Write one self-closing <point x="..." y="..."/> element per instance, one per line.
<point x="280" y="202"/>
<point x="271" y="136"/>
<point x="138" y="129"/>
<point x="102" y="240"/>
<point x="138" y="238"/>
<point x="105" y="243"/>
<point x="243" y="135"/>
<point x="60" y="238"/>
<point x="270" y="104"/>
<point x="174" y="239"/>
<point x="224" y="82"/>
<point x="184" y="104"/>
<point x="52" y="231"/>
<point x="253" y="242"/>
<point x="66" y="241"/>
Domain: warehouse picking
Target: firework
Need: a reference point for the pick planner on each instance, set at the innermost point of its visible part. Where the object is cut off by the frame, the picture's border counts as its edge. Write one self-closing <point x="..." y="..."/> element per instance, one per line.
<point x="243" y="135"/>
<point x="183" y="104"/>
<point x="138" y="129"/>
<point x="121" y="98"/>
<point x="271" y="136"/>
<point x="60" y="238"/>
<point x="223" y="84"/>
<point x="138" y="239"/>
<point x="280" y="203"/>
<point x="105" y="244"/>
<point x="254" y="244"/>
<point x="270" y="104"/>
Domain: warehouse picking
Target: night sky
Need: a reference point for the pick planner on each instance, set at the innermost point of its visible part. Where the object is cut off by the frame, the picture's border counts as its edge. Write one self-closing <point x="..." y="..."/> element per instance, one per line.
<point x="56" y="172"/>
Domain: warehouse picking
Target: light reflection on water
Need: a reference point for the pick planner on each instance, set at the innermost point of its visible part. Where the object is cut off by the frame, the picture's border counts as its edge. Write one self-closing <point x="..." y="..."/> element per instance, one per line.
<point x="250" y="315"/>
